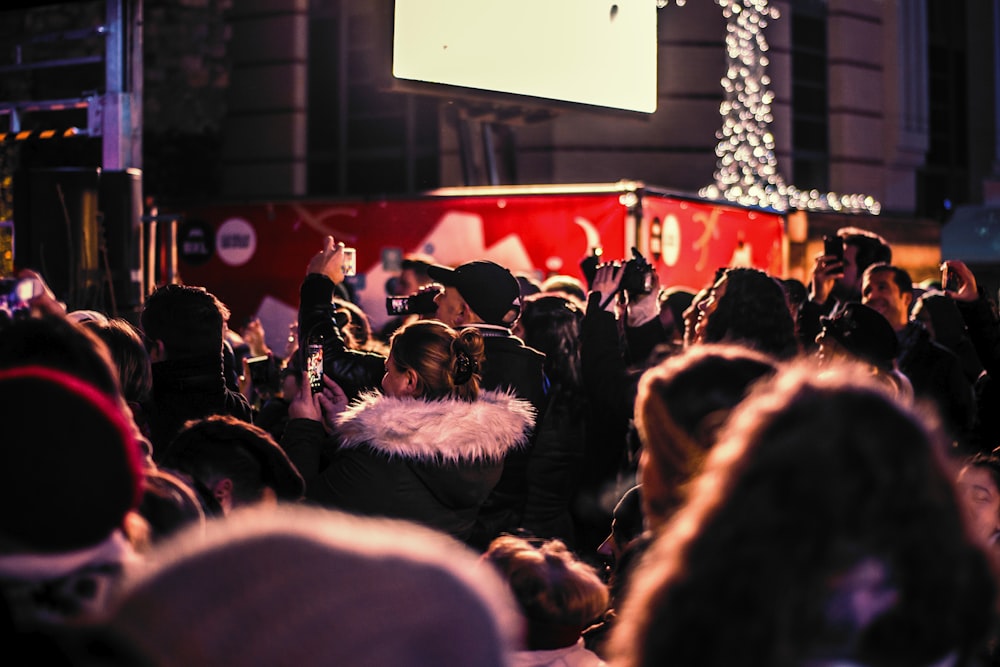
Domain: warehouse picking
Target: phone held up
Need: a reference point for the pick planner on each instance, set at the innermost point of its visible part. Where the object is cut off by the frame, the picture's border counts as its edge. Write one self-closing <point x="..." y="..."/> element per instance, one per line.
<point x="833" y="246"/>
<point x="949" y="279"/>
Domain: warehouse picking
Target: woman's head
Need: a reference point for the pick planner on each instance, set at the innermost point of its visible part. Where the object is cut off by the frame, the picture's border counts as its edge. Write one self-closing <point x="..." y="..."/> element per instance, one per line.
<point x="748" y="306"/>
<point x="550" y="324"/>
<point x="824" y="523"/>
<point x="431" y="360"/>
<point x="680" y="406"/>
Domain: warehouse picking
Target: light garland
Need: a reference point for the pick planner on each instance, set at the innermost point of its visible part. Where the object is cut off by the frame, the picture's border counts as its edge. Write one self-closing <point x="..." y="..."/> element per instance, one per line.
<point x="747" y="168"/>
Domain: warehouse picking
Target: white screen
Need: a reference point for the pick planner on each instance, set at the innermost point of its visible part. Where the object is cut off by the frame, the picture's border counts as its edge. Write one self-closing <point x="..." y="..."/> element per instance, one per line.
<point x="587" y="51"/>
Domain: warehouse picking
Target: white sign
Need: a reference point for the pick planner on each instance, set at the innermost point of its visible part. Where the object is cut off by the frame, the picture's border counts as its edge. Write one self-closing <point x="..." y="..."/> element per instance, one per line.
<point x="236" y="242"/>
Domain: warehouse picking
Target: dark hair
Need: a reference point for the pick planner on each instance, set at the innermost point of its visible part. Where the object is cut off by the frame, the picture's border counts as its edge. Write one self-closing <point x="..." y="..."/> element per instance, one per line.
<point x="753" y="311"/>
<point x="447" y="362"/>
<point x="129" y="355"/>
<point x="899" y="276"/>
<point x="816" y="475"/>
<point x="187" y="320"/>
<point x="223" y="446"/>
<point x="551" y="324"/>
<point x="58" y="343"/>
<point x="871" y="248"/>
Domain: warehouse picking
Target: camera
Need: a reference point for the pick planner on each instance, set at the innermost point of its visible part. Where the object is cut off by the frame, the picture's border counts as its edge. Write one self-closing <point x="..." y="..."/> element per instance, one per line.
<point x="419" y="303"/>
<point x="637" y="275"/>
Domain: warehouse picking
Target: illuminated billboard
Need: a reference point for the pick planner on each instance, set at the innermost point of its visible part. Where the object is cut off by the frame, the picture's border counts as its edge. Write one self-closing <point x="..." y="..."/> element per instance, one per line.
<point x="593" y="52"/>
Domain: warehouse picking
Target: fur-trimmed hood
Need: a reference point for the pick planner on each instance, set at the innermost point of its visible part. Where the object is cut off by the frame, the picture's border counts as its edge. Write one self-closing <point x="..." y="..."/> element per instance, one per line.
<point x="447" y="430"/>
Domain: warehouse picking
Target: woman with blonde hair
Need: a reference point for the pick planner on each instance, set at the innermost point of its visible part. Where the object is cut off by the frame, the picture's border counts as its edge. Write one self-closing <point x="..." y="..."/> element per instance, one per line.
<point x="429" y="448"/>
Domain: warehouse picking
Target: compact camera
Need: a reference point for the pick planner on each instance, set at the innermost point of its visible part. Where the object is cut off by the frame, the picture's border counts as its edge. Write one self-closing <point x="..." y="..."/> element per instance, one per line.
<point x="637" y="275"/>
<point x="419" y="303"/>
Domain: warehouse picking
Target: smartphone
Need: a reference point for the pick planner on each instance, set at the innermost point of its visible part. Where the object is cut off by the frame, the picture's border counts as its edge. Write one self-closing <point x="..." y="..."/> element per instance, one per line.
<point x="258" y="371"/>
<point x="314" y="366"/>
<point x="833" y="246"/>
<point x="350" y="264"/>
<point x="949" y="280"/>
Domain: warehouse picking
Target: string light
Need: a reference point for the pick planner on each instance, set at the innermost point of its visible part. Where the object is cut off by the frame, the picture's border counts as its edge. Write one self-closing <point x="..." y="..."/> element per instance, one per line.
<point x="747" y="168"/>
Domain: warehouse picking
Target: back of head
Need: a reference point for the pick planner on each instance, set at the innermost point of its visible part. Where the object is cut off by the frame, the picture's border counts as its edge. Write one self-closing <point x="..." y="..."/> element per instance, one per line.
<point x="568" y="285"/>
<point x="447" y="362"/>
<point x="55" y="342"/>
<point x="305" y="586"/>
<point x="680" y="406"/>
<point x="187" y="320"/>
<point x="550" y="324"/>
<point x="358" y="325"/>
<point x="558" y="594"/>
<point x="221" y="446"/>
<point x="829" y="502"/>
<point x="74" y="469"/>
<point x="129" y="355"/>
<point x="865" y="334"/>
<point x="753" y="311"/>
<point x="946" y="319"/>
<point x="871" y="248"/>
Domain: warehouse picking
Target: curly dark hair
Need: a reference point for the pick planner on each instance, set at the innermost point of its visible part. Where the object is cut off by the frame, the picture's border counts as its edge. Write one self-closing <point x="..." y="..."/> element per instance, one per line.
<point x="551" y="325"/>
<point x="753" y="311"/>
<point x="817" y="476"/>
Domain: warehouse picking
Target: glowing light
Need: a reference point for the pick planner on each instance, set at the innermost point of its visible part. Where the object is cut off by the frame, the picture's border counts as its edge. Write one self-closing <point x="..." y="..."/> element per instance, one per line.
<point x="747" y="169"/>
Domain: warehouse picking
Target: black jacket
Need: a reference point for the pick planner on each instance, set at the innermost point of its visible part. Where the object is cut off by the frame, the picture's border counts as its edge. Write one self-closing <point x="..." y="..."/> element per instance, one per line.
<point x="355" y="371"/>
<point x="433" y="462"/>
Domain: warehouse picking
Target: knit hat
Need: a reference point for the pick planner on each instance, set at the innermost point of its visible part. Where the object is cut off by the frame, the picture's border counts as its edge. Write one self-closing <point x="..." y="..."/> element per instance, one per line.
<point x="863" y="332"/>
<point x="304" y="586"/>
<point x="488" y="288"/>
<point x="72" y="467"/>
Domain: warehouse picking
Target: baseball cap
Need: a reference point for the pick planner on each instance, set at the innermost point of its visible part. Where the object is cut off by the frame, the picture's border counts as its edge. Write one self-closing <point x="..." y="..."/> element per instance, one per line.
<point x="488" y="288"/>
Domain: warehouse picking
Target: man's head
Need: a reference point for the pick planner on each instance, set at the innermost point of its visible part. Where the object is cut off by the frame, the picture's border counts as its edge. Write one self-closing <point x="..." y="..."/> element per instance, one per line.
<point x="236" y="463"/>
<point x="889" y="290"/>
<point x="181" y="321"/>
<point x="480" y="292"/>
<point x="862" y="248"/>
<point x="858" y="332"/>
<point x="413" y="274"/>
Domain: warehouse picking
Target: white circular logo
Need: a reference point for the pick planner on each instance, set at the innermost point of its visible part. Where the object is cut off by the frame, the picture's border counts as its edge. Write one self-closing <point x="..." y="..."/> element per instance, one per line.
<point x="670" y="240"/>
<point x="236" y="242"/>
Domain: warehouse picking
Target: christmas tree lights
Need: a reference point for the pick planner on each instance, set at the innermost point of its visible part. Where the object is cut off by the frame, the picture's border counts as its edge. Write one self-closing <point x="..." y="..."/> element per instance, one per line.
<point x="747" y="168"/>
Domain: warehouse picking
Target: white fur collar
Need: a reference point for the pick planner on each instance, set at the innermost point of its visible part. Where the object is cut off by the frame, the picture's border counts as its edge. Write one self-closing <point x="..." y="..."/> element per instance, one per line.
<point x="447" y="430"/>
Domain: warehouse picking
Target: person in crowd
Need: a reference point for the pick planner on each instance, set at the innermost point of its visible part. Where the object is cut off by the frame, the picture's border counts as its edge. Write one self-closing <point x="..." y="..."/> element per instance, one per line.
<point x="429" y="449"/>
<point x="979" y="493"/>
<point x="135" y="372"/>
<point x="485" y="296"/>
<point x="528" y="284"/>
<point x="183" y="329"/>
<point x="747" y="306"/>
<point x="357" y="329"/>
<point x="309" y="587"/>
<point x="550" y="324"/>
<point x="232" y="464"/>
<point x="836" y="281"/>
<point x="355" y="371"/>
<point x="673" y="302"/>
<point x="568" y="286"/>
<point x="273" y="415"/>
<point x="860" y="334"/>
<point x="940" y="315"/>
<point x="559" y="596"/>
<point x="412" y="278"/>
<point x="850" y="550"/>
<point x="258" y="365"/>
<point x="74" y="475"/>
<point x="933" y="370"/>
<point x="979" y="312"/>
<point x="681" y="405"/>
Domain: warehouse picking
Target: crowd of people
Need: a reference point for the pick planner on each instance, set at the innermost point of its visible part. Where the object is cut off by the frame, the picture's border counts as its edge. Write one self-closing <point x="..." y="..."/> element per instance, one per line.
<point x="518" y="472"/>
